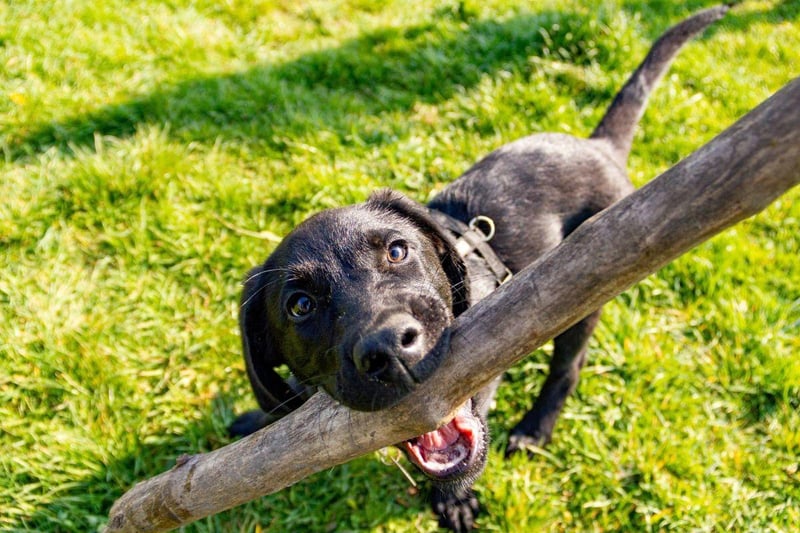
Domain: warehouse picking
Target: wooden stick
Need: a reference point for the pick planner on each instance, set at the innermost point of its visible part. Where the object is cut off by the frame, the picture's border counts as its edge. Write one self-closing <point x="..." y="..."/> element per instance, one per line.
<point x="734" y="176"/>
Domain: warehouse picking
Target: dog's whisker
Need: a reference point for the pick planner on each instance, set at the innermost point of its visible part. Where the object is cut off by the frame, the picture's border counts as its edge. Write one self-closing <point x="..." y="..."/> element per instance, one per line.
<point x="252" y="297"/>
<point x="261" y="272"/>
<point x="286" y="402"/>
<point x="261" y="289"/>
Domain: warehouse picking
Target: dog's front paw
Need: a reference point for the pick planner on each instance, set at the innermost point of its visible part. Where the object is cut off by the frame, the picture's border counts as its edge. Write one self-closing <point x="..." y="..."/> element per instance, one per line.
<point x="250" y="422"/>
<point x="523" y="443"/>
<point x="456" y="509"/>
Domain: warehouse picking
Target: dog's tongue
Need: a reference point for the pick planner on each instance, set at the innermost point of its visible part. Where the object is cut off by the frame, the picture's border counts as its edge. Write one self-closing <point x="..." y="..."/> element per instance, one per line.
<point x="447" y="450"/>
<point x="439" y="439"/>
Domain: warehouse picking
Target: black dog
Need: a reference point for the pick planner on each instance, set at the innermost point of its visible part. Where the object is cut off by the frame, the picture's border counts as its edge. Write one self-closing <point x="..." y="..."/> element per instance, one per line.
<point x="358" y="300"/>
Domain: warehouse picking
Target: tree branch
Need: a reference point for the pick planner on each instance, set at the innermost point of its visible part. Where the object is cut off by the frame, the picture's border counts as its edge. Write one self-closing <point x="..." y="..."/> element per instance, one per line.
<point x="734" y="176"/>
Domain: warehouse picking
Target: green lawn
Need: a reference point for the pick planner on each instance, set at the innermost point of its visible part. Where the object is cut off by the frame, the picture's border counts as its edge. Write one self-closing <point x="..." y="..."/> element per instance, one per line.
<point x="152" y="152"/>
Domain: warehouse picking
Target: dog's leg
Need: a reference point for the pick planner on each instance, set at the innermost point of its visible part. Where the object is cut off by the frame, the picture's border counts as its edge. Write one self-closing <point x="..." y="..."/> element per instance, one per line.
<point x="250" y="422"/>
<point x="456" y="507"/>
<point x="569" y="355"/>
<point x="455" y="503"/>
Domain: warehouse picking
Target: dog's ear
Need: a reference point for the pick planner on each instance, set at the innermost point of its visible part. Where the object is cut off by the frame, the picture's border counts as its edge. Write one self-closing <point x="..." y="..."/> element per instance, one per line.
<point x="443" y="241"/>
<point x="262" y="354"/>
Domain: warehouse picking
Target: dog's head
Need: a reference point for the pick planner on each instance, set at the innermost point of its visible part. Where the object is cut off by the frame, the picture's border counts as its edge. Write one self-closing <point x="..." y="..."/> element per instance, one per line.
<point x="356" y="300"/>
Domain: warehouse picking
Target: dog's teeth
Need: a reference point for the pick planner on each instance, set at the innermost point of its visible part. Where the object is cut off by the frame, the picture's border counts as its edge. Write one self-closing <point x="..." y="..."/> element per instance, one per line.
<point x="440" y="439"/>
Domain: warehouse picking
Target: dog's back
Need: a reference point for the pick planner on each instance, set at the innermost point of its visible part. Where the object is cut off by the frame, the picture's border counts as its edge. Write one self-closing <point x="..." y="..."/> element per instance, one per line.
<point x="365" y="315"/>
<point x="540" y="188"/>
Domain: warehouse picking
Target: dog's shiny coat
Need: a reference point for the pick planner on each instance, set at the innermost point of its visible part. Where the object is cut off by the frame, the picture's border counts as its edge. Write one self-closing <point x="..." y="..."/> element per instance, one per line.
<point x="358" y="300"/>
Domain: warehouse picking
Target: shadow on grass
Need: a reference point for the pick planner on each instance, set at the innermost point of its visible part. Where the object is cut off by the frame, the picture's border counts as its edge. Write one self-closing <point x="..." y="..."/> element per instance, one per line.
<point x="358" y="495"/>
<point x="735" y="20"/>
<point x="387" y="70"/>
<point x="762" y="403"/>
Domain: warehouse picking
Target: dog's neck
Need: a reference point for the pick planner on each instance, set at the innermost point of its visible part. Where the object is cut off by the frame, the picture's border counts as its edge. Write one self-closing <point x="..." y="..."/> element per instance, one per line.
<point x="472" y="245"/>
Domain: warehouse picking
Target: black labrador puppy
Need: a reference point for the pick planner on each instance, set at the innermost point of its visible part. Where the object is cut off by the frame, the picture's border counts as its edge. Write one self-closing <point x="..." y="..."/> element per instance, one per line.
<point x="358" y="300"/>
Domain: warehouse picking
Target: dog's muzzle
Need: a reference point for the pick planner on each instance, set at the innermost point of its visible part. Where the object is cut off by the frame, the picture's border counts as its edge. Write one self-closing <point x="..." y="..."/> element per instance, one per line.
<point x="389" y="353"/>
<point x="385" y="360"/>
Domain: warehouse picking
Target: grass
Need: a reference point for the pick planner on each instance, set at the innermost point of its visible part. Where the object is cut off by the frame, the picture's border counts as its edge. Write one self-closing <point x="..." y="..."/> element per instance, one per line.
<point x="143" y="142"/>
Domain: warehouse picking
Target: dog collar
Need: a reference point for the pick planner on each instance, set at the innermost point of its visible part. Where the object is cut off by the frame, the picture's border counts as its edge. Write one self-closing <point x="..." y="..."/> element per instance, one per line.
<point x="471" y="238"/>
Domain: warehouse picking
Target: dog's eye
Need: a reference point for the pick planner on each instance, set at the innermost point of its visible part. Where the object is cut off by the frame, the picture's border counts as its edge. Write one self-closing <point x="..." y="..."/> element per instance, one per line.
<point x="300" y="305"/>
<point x="397" y="252"/>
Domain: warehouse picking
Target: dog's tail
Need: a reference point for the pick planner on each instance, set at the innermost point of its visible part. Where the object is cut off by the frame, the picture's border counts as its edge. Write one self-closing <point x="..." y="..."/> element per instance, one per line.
<point x="619" y="123"/>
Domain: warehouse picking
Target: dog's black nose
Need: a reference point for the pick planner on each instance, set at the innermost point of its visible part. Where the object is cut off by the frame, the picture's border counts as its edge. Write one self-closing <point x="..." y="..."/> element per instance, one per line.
<point x="390" y="350"/>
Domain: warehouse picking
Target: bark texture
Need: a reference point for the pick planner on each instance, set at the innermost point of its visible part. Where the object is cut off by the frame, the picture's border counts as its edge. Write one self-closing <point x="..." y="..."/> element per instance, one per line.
<point x="733" y="177"/>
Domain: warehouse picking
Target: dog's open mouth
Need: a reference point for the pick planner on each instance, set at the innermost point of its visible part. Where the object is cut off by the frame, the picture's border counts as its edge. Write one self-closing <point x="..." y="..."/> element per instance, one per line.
<point x="450" y="450"/>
